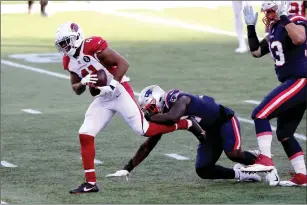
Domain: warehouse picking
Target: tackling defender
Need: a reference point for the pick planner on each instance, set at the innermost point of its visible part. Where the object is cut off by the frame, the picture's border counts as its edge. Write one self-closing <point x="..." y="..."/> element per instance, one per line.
<point x="82" y="58"/>
<point x="287" y="102"/>
<point x="220" y="123"/>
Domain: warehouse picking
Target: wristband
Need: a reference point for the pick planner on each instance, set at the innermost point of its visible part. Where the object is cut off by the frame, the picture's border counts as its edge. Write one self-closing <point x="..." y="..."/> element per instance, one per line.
<point x="284" y="20"/>
<point x="253" y="41"/>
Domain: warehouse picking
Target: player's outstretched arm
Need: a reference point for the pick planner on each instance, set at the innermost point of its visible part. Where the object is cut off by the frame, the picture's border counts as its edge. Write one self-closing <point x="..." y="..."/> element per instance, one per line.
<point x="76" y="84"/>
<point x="112" y="58"/>
<point x="139" y="156"/>
<point x="175" y="113"/>
<point x="142" y="152"/>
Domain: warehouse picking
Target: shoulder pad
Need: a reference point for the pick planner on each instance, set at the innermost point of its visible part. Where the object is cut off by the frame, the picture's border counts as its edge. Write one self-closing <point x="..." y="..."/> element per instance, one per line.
<point x="171" y="97"/>
<point x="94" y="44"/>
<point x="298" y="20"/>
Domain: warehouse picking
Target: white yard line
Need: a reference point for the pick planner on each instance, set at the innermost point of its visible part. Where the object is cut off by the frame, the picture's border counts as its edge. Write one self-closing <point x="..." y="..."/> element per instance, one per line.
<point x="7" y="164"/>
<point x="39" y="70"/>
<point x="254" y="102"/>
<point x="177" y="156"/>
<point x="169" y="22"/>
<point x="96" y="161"/>
<point x="35" y="112"/>
<point x="3" y="202"/>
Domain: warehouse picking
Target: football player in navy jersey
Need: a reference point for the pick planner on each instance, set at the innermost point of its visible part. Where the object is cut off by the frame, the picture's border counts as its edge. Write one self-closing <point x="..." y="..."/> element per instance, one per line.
<point x="287" y="102"/>
<point x="221" y="126"/>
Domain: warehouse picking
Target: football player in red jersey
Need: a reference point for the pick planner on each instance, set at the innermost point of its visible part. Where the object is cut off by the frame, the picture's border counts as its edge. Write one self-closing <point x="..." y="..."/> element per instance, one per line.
<point x="82" y="57"/>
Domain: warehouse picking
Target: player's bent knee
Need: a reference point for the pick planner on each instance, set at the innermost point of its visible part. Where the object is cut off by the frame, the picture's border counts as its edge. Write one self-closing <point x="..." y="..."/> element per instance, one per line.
<point x="205" y="172"/>
<point x="234" y="156"/>
<point x="88" y="130"/>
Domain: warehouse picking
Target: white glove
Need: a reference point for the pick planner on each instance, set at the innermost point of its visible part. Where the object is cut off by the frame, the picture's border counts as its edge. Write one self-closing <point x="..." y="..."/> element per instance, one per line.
<point x="283" y="8"/>
<point x="107" y="92"/>
<point x="90" y="78"/>
<point x="250" y="16"/>
<point x="120" y="173"/>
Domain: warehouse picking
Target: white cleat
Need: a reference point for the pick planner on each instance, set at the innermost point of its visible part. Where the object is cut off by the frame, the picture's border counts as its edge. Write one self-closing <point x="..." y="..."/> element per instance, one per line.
<point x="272" y="177"/>
<point x="262" y="164"/>
<point x="246" y="177"/>
<point x="241" y="50"/>
<point x="297" y="180"/>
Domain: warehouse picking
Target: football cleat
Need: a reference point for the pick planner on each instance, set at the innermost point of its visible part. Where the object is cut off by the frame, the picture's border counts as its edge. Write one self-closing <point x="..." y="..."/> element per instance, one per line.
<point x="85" y="188"/>
<point x="272" y="177"/>
<point x="241" y="50"/>
<point x="246" y="176"/>
<point x="298" y="179"/>
<point x="262" y="164"/>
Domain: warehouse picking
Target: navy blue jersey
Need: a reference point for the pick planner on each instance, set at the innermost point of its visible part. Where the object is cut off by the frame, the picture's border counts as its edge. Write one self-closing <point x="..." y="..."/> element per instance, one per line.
<point x="290" y="60"/>
<point x="203" y="107"/>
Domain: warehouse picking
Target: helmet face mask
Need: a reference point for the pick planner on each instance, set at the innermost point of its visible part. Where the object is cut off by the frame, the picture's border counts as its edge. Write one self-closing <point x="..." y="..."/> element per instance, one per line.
<point x="269" y="8"/>
<point x="69" y="37"/>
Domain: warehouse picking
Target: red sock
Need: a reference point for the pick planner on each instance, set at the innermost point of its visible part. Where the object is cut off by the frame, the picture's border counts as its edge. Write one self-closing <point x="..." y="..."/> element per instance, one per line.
<point x="184" y="124"/>
<point x="155" y="129"/>
<point x="88" y="156"/>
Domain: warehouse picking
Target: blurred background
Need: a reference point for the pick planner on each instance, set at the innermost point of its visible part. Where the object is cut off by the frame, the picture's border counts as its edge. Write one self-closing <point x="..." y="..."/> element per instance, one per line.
<point x="195" y="46"/>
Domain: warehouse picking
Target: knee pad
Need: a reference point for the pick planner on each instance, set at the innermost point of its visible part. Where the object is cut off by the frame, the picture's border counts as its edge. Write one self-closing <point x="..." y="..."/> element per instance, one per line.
<point x="205" y="172"/>
<point x="254" y="113"/>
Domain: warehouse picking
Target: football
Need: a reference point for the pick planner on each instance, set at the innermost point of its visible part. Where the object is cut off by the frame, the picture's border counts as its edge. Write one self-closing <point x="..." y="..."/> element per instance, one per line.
<point x="102" y="81"/>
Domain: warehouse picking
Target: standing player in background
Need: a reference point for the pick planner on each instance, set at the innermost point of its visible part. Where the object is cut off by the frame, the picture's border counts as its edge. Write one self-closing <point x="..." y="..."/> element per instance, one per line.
<point x="297" y="8"/>
<point x="287" y="102"/>
<point x="82" y="58"/>
<point x="43" y="7"/>
<point x="237" y="7"/>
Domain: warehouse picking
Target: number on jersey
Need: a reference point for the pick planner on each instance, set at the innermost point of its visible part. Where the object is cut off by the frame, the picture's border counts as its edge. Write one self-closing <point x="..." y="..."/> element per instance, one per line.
<point x="87" y="70"/>
<point x="278" y="53"/>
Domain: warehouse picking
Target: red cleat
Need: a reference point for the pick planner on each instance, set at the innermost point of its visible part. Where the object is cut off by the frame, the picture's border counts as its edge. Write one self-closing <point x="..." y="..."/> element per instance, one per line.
<point x="298" y="179"/>
<point x="262" y="164"/>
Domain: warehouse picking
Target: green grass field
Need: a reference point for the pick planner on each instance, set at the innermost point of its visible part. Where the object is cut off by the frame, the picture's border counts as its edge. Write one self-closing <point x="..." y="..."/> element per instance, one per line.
<point x="46" y="147"/>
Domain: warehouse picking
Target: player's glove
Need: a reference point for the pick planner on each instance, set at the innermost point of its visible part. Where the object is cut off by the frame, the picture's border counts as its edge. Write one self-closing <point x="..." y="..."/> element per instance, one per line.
<point x="107" y="92"/>
<point x="250" y="16"/>
<point x="283" y="8"/>
<point x="120" y="173"/>
<point x="89" y="79"/>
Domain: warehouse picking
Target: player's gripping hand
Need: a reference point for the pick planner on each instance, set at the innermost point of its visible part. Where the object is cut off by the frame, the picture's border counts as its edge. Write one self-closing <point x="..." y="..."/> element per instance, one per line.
<point x="283" y="8"/>
<point x="120" y="173"/>
<point x="107" y="92"/>
<point x="89" y="79"/>
<point x="250" y="16"/>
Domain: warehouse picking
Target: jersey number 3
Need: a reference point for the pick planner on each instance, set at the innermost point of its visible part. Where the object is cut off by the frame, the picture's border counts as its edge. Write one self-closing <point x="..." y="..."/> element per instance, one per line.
<point x="278" y="53"/>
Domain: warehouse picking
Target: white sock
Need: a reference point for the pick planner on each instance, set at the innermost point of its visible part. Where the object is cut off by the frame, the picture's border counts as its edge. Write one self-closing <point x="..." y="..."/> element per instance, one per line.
<point x="298" y="164"/>
<point x="264" y="141"/>
<point x="92" y="183"/>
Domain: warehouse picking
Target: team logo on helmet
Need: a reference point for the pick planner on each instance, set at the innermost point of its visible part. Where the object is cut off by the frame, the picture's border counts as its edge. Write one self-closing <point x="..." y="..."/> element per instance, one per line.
<point x="148" y="93"/>
<point x="74" y="27"/>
